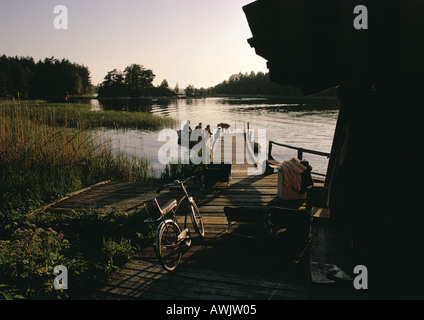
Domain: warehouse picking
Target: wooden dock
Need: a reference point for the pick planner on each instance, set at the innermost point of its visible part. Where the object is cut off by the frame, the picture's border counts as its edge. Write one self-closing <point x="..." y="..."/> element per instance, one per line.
<point x="219" y="266"/>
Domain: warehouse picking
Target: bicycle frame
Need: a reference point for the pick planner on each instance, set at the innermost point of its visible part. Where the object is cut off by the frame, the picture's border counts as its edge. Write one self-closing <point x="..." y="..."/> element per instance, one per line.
<point x="162" y="219"/>
<point x="174" y="211"/>
<point x="170" y="237"/>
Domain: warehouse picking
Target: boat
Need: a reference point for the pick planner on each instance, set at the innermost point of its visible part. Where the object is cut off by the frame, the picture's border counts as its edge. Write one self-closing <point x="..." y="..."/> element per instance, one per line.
<point x="183" y="143"/>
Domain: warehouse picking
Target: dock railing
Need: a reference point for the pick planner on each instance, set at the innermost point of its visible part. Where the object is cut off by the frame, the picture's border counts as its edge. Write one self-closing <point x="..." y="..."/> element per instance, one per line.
<point x="300" y="153"/>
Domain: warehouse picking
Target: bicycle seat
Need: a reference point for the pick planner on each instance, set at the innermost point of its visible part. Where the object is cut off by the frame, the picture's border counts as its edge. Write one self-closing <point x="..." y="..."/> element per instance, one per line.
<point x="168" y="206"/>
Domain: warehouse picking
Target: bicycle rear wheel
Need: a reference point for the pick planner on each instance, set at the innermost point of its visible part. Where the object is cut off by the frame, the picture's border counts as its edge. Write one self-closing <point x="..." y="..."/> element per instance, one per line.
<point x="196" y="219"/>
<point x="166" y="245"/>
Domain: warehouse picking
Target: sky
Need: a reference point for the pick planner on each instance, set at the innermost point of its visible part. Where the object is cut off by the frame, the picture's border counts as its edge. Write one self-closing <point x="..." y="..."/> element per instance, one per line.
<point x="197" y="42"/>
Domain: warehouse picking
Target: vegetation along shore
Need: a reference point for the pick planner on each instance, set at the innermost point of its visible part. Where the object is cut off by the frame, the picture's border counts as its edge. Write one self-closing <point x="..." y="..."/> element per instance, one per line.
<point x="51" y="149"/>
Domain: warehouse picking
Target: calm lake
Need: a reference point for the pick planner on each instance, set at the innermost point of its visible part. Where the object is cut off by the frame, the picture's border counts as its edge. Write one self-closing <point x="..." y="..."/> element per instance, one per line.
<point x="307" y="125"/>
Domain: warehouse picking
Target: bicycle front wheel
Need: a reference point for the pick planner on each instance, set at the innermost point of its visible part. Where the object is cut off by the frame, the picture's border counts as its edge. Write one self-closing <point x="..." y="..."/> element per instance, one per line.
<point x="166" y="245"/>
<point x="196" y="218"/>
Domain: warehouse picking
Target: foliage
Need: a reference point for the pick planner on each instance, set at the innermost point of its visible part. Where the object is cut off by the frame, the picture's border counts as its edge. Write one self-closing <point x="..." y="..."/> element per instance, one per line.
<point x="52" y="78"/>
<point x="28" y="258"/>
<point x="190" y="90"/>
<point x="8" y="293"/>
<point x="90" y="244"/>
<point x="254" y="83"/>
<point x="41" y="161"/>
<point x="81" y="116"/>
<point x="113" y="84"/>
<point x="135" y="81"/>
<point x="179" y="170"/>
<point x="164" y="84"/>
<point x="137" y="78"/>
<point x="177" y="88"/>
<point x="244" y="84"/>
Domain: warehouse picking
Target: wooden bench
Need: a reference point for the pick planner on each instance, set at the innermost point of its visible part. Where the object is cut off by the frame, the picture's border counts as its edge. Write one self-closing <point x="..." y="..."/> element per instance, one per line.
<point x="271" y="164"/>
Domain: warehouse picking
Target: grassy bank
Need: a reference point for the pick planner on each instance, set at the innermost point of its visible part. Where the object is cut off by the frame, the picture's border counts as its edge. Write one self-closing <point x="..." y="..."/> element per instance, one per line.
<point x="78" y="115"/>
<point x="44" y="156"/>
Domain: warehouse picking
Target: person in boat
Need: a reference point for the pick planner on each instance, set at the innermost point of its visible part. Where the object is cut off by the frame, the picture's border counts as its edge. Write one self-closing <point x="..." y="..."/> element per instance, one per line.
<point x="208" y="130"/>
<point x="185" y="133"/>
<point x="187" y="126"/>
<point x="198" y="131"/>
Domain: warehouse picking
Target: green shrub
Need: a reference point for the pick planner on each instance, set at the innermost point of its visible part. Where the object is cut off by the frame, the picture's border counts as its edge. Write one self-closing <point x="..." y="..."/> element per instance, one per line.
<point x="90" y="244"/>
<point x="28" y="258"/>
<point x="39" y="163"/>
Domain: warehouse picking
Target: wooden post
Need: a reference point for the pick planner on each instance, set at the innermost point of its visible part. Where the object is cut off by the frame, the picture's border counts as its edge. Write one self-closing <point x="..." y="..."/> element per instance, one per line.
<point x="300" y="154"/>
<point x="269" y="151"/>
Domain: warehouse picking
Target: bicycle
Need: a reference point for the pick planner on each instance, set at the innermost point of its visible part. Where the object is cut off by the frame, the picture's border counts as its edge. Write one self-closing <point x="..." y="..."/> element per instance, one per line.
<point x="170" y="237"/>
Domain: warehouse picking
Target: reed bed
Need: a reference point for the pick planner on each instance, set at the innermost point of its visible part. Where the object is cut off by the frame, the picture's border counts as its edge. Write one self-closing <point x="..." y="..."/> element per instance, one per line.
<point x="43" y="156"/>
<point x="46" y="153"/>
<point x="78" y="115"/>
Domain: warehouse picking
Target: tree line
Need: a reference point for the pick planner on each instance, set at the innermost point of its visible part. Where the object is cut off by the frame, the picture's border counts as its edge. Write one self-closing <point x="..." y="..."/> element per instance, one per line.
<point x="134" y="81"/>
<point x="48" y="79"/>
<point x="245" y="84"/>
<point x="254" y="83"/>
<point x="53" y="78"/>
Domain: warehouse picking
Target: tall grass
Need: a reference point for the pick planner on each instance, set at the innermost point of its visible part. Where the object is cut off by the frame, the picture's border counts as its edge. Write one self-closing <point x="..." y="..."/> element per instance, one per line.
<point x="42" y="159"/>
<point x="77" y="115"/>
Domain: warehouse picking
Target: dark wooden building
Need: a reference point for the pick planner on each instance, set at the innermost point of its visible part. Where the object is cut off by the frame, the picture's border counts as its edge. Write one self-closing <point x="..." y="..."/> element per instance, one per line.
<point x="374" y="176"/>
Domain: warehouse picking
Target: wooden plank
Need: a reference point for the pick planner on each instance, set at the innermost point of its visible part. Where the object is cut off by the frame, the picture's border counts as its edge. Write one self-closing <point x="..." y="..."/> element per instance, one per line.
<point x="322" y="213"/>
<point x="246" y="177"/>
<point x="68" y="196"/>
<point x="252" y="197"/>
<point x="213" y="267"/>
<point x="240" y="189"/>
<point x="200" y="284"/>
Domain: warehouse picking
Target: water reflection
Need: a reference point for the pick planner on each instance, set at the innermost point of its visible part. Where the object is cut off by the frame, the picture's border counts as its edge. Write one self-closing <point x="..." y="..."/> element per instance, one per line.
<point x="130" y="105"/>
<point x="302" y="123"/>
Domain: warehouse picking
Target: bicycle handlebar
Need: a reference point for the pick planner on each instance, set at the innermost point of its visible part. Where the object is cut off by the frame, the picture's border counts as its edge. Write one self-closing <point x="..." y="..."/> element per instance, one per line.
<point x="182" y="181"/>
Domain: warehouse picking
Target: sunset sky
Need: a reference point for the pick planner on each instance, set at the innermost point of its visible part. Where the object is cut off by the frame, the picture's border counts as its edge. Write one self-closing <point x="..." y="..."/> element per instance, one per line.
<point x="198" y="42"/>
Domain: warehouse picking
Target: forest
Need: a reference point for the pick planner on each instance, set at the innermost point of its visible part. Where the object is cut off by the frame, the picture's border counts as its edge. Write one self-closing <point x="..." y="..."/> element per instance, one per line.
<point x="254" y="83"/>
<point x="134" y="81"/>
<point x="48" y="79"/>
<point x="244" y="84"/>
<point x="52" y="78"/>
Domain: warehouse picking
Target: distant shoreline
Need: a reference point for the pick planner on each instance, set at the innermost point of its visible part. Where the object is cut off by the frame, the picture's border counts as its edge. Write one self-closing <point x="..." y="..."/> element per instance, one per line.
<point x="283" y="99"/>
<point x="320" y="102"/>
<point x="235" y="96"/>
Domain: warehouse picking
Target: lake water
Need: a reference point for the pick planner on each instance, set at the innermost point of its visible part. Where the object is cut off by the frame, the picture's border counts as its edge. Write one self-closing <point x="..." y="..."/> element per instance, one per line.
<point x="308" y="125"/>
